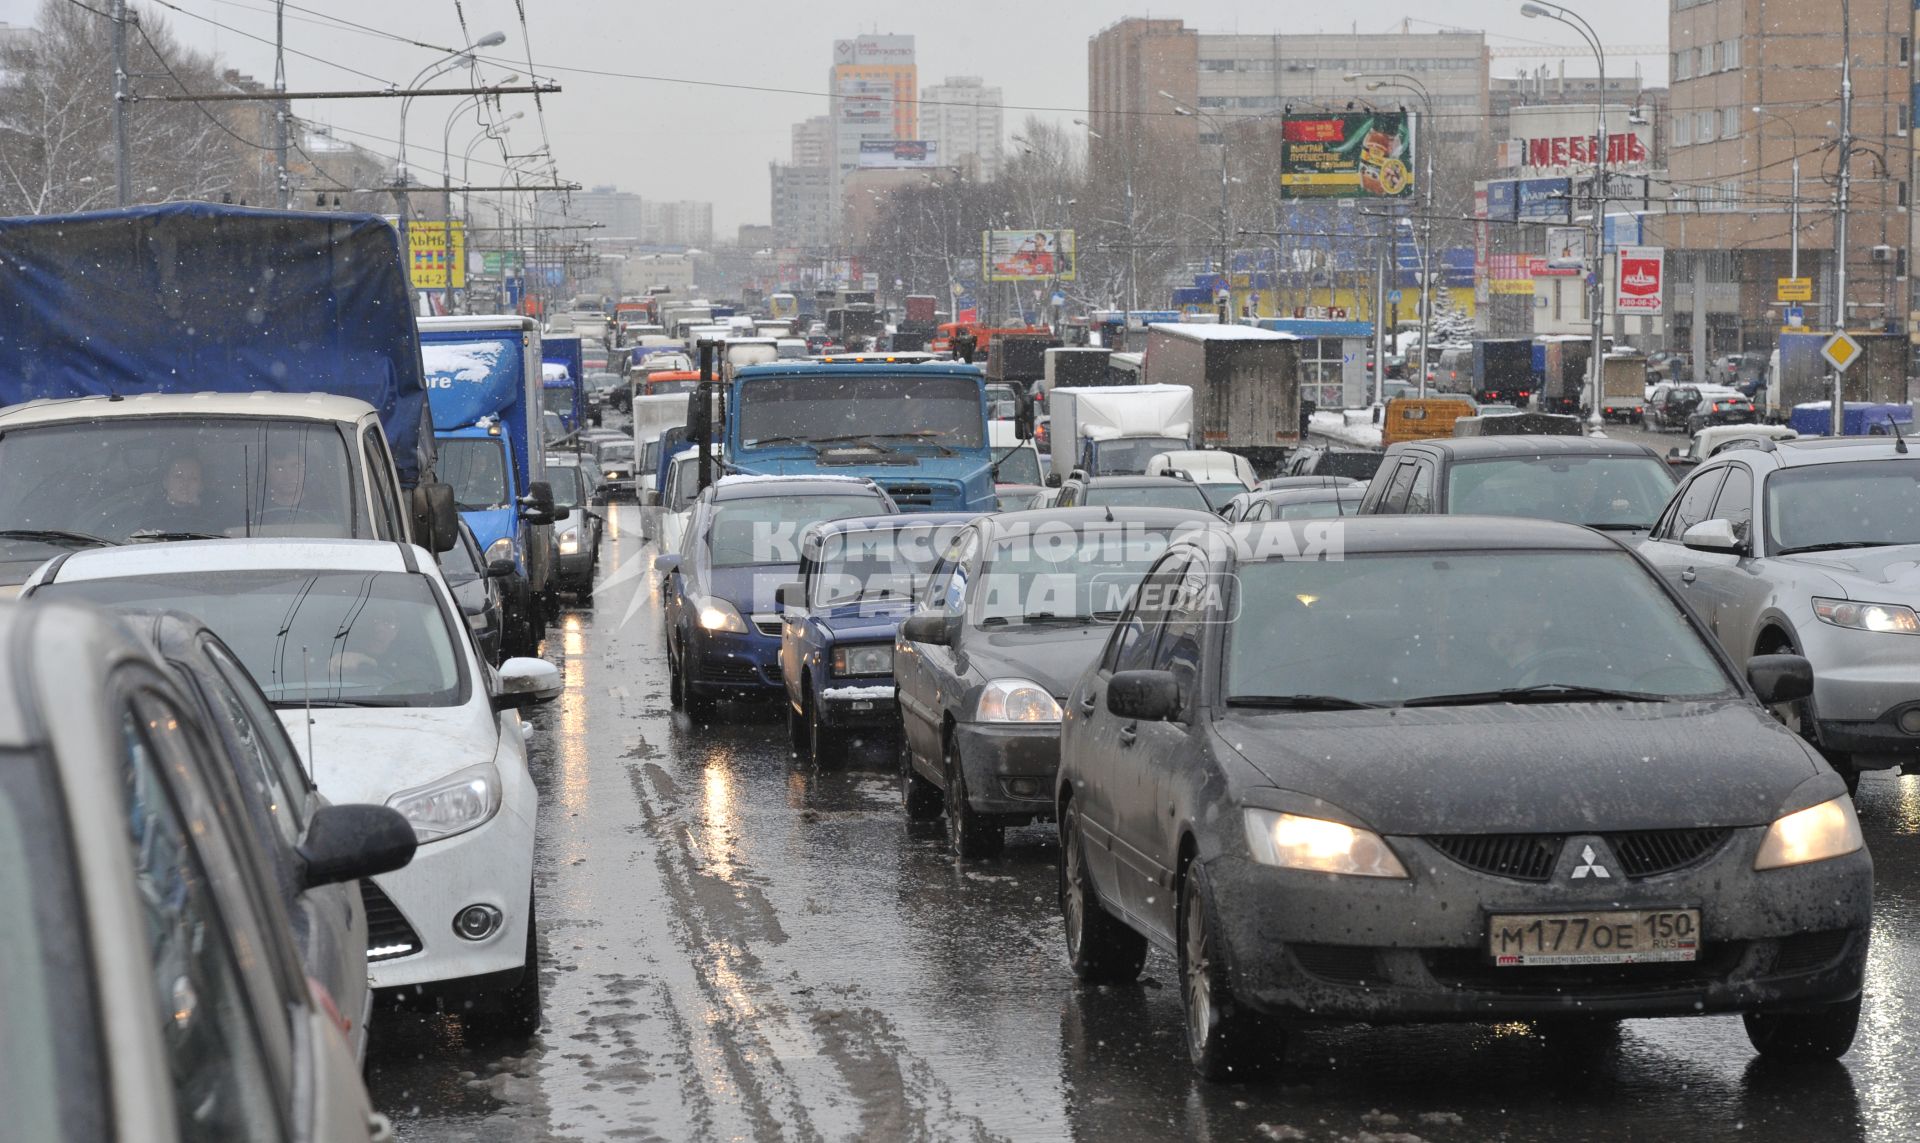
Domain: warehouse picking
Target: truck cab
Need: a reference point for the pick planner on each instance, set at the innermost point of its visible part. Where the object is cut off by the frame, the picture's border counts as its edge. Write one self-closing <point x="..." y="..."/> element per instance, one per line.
<point x="483" y="377"/>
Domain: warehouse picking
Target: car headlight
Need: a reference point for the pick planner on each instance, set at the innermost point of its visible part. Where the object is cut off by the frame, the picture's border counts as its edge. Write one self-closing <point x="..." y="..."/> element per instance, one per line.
<point x="455" y="804"/>
<point x="716" y="614"/>
<point x="863" y="659"/>
<point x="1893" y="617"/>
<point x="570" y="542"/>
<point x="1816" y="833"/>
<point x="500" y="549"/>
<point x="1291" y="841"/>
<point x="1016" y="700"/>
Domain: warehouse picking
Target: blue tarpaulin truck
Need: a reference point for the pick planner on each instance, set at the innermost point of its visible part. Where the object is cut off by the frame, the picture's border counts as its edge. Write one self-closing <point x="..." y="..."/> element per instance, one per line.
<point x="195" y="369"/>
<point x="918" y="430"/>
<point x="483" y="375"/>
<point x="565" y="392"/>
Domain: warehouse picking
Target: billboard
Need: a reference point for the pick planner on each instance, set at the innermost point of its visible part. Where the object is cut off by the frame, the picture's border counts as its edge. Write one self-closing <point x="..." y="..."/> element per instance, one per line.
<point x="899" y="153"/>
<point x="1640" y="280"/>
<point x="1355" y="154"/>
<point x="430" y="258"/>
<point x="1500" y="199"/>
<point x="1544" y="200"/>
<point x="1026" y="255"/>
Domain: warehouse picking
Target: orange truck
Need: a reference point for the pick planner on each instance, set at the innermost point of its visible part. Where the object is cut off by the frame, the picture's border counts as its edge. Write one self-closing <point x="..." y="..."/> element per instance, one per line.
<point x="943" y="340"/>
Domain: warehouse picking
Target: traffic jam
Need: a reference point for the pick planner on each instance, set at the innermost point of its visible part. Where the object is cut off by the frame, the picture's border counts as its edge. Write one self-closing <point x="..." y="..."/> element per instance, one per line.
<point x="710" y="712"/>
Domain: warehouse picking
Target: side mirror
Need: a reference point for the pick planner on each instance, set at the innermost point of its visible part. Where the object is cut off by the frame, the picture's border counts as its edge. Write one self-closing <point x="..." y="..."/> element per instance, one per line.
<point x="502" y="569"/>
<point x="1053" y="480"/>
<point x="666" y="563"/>
<point x="649" y="499"/>
<point x="1780" y="678"/>
<point x="436" y="520"/>
<point x="536" y="507"/>
<point x="348" y="842"/>
<point x="1150" y="696"/>
<point x="1023" y="416"/>
<point x="792" y="596"/>
<point x="929" y="628"/>
<point x="699" y="415"/>
<point x="1714" y="536"/>
<point x="524" y="682"/>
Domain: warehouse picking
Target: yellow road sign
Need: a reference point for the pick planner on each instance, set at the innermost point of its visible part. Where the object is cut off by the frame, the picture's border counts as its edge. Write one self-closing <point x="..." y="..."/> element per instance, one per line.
<point x="1841" y="351"/>
<point x="1794" y="289"/>
<point x="430" y="257"/>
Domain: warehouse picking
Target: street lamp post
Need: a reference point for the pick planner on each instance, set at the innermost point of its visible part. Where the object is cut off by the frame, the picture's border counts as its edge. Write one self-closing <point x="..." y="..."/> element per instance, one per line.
<point x="1405" y="82"/>
<point x="1226" y="272"/>
<point x="446" y="180"/>
<point x="1596" y="286"/>
<point x="1794" y="205"/>
<point x="1133" y="253"/>
<point x="438" y="67"/>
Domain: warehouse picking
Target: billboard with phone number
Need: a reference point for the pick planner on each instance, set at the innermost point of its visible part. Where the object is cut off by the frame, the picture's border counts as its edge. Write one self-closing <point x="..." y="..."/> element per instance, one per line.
<point x="1027" y="255"/>
<point x="1355" y="154"/>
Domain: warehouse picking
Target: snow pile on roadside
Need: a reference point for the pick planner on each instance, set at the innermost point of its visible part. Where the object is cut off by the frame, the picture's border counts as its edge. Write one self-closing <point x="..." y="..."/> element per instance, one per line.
<point x="1347" y="427"/>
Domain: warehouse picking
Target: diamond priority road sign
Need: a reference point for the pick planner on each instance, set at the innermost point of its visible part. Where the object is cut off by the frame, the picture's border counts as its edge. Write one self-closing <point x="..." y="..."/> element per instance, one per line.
<point x="1841" y="351"/>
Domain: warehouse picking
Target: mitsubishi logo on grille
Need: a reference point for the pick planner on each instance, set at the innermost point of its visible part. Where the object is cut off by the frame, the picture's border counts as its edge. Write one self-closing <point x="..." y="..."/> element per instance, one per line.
<point x="1588" y="866"/>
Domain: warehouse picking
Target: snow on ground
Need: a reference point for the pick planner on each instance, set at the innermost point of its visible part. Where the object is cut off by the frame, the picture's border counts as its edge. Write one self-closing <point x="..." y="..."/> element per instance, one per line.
<point x="1347" y="426"/>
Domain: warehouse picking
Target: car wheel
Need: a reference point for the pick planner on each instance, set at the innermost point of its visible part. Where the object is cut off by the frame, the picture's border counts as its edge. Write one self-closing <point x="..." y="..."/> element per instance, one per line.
<point x="1225" y="1039"/>
<point x="797" y="735"/>
<point x="922" y="798"/>
<point x="516" y="1012"/>
<point x="1101" y="949"/>
<point x="584" y="597"/>
<point x="1806" y="1037"/>
<point x="550" y="610"/>
<point x="676" y="682"/>
<point x="971" y="835"/>
<point x="827" y="744"/>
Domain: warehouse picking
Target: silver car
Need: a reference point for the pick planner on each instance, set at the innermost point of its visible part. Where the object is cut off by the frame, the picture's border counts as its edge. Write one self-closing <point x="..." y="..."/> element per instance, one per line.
<point x="1812" y="547"/>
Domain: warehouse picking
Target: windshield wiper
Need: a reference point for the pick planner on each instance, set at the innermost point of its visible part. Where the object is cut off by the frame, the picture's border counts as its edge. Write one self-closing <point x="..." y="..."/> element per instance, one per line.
<point x="1540" y="692"/>
<point x="923" y="436"/>
<point x="1301" y="702"/>
<point x="152" y="535"/>
<point x="1834" y="546"/>
<point x="801" y="441"/>
<point x="1037" y="618"/>
<point x="855" y="438"/>
<point x="57" y="536"/>
<point x="1620" y="527"/>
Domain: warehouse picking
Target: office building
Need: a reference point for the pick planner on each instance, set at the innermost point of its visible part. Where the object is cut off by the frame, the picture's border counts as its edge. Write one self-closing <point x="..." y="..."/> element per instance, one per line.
<point x="874" y="86"/>
<point x="965" y="119"/>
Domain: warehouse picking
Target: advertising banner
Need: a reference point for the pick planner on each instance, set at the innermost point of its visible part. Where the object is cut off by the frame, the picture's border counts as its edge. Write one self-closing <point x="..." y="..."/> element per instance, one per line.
<point x="1507" y="275"/>
<point x="1026" y="255"/>
<point x="1501" y="197"/>
<point x="1544" y="200"/>
<point x="1641" y="279"/>
<point x="1356" y="154"/>
<point x="430" y="258"/>
<point x="899" y="153"/>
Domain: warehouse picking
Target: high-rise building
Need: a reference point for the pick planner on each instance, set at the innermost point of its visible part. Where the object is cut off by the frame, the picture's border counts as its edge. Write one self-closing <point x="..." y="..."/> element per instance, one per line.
<point x="1751" y="89"/>
<point x="964" y="118"/>
<point x="1227" y="77"/>
<point x="803" y="205"/>
<point x="679" y="223"/>
<point x="621" y="214"/>
<point x="874" y="85"/>
<point x="812" y="141"/>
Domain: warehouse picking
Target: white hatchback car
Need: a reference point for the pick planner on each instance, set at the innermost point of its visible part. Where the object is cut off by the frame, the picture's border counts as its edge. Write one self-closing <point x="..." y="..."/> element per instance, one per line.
<point x="363" y="652"/>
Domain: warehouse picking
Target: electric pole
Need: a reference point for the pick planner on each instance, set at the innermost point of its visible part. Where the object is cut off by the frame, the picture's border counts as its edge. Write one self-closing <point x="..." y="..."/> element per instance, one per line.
<point x="1838" y="425"/>
<point x="282" y="181"/>
<point x="122" y="175"/>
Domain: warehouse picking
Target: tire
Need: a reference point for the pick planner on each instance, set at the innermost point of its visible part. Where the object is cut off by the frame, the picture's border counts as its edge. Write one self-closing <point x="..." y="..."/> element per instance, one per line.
<point x="550" y="606"/>
<point x="1101" y="949"/>
<point x="676" y="682"/>
<point x="826" y="744"/>
<point x="922" y="798"/>
<point x="517" y="639"/>
<point x="1226" y="1041"/>
<point x="797" y="736"/>
<point x="1816" y="1037"/>
<point x="516" y="1011"/>
<point x="971" y="835"/>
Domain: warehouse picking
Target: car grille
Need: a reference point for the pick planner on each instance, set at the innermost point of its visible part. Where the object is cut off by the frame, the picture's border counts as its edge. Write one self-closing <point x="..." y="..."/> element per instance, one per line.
<point x="1340" y="964"/>
<point x="389" y="936"/>
<point x="1532" y="856"/>
<point x="1803" y="951"/>
<point x="767" y="625"/>
<point x="910" y="495"/>
<point x="1471" y="969"/>
<point x="731" y="671"/>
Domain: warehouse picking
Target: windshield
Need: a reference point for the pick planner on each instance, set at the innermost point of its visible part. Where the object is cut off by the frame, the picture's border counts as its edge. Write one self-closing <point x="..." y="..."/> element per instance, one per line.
<point x="1129" y="456"/>
<point x="890" y="408"/>
<point x="462" y="561"/>
<point x="1003" y="403"/>
<point x="1418" y="626"/>
<point x="569" y="491"/>
<point x="1218" y="494"/>
<point x="1172" y="494"/>
<point x="753" y="530"/>
<point x="650" y="458"/>
<point x="1021" y="466"/>
<point x="615" y="453"/>
<point x="120" y="479"/>
<point x="1317" y="508"/>
<point x="1619" y="491"/>
<point x="1853" y="504"/>
<point x="558" y="400"/>
<point x="1055" y="571"/>
<point x="354" y="638"/>
<point x="477" y="470"/>
<point x="684" y="483"/>
<point x="883" y="562"/>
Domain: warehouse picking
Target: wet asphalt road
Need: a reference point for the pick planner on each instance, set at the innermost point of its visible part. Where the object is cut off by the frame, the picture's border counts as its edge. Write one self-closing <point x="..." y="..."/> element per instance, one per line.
<point x="738" y="947"/>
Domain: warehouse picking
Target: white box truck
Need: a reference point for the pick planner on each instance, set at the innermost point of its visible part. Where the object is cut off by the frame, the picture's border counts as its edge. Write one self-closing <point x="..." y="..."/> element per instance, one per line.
<point x="1114" y="431"/>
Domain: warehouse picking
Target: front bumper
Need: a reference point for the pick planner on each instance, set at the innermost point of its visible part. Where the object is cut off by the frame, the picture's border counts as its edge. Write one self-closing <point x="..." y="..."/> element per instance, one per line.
<point x="730" y="664"/>
<point x="491" y="865"/>
<point x="1863" y="682"/>
<point x="856" y="702"/>
<point x="1009" y="768"/>
<point x="1350" y="948"/>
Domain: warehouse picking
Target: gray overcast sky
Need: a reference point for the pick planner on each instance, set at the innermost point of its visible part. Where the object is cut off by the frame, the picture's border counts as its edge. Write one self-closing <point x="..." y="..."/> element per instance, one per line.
<point x="673" y="141"/>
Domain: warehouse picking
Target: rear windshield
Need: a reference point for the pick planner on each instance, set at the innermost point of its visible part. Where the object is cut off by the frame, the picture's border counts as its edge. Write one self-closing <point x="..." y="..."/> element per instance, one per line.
<point x="1354" y="465"/>
<point x="1173" y="494"/>
<point x="1055" y="571"/>
<point x="879" y="563"/>
<point x="1624" y="492"/>
<point x="754" y="530"/>
<point x="122" y="479"/>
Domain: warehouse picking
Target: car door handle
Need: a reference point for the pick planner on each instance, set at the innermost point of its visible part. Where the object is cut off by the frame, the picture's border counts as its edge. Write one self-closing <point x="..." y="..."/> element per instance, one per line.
<point x="1688" y="576"/>
<point x="1087" y="704"/>
<point x="1128" y="735"/>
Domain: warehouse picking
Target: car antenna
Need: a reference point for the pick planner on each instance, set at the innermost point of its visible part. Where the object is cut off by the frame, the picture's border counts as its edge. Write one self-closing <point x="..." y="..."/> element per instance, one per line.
<point x="1109" y="509"/>
<point x="306" y="686"/>
<point x="1899" y="442"/>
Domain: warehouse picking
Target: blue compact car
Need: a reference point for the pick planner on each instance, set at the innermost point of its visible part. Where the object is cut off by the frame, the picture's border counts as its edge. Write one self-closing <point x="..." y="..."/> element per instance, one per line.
<point x="742" y="544"/>
<point x="858" y="579"/>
